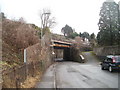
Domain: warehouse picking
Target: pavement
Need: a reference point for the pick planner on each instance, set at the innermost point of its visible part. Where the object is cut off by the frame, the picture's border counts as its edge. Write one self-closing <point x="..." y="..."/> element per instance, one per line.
<point x="78" y="75"/>
<point x="48" y="79"/>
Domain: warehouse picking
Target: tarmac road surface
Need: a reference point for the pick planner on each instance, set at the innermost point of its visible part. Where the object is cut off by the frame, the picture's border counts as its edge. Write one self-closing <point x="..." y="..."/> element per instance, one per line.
<point x="78" y="75"/>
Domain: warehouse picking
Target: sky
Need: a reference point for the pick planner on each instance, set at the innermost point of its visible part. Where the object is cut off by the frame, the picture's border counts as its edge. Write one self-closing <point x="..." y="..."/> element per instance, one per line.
<point x="81" y="15"/>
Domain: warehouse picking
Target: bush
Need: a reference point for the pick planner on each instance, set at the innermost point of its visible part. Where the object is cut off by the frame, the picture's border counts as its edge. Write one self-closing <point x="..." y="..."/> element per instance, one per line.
<point x="18" y="34"/>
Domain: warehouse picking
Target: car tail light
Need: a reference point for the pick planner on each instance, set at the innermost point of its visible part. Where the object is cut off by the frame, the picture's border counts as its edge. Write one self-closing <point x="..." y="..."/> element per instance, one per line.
<point x="113" y="60"/>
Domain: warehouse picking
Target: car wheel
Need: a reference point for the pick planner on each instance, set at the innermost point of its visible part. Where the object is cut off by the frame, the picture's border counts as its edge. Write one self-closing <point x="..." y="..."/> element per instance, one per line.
<point x="110" y="69"/>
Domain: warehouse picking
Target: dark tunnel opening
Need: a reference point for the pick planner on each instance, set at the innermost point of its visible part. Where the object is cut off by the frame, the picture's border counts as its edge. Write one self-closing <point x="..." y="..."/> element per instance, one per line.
<point x="65" y="51"/>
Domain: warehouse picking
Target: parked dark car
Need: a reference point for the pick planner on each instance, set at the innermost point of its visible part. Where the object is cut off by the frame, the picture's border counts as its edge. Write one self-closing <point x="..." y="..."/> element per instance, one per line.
<point x="111" y="63"/>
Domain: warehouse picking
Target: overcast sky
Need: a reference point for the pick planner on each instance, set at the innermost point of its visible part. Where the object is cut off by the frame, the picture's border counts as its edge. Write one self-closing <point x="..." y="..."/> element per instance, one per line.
<point x="81" y="15"/>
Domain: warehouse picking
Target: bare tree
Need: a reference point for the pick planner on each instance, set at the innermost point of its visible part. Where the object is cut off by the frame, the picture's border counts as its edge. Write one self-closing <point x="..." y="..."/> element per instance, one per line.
<point x="46" y="20"/>
<point x="22" y="20"/>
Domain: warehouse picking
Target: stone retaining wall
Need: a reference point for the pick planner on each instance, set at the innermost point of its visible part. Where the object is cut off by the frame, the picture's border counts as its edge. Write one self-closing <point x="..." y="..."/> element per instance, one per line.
<point x="108" y="50"/>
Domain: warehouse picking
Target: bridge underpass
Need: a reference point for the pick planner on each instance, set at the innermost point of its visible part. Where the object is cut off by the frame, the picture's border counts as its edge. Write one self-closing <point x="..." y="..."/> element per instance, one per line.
<point x="63" y="48"/>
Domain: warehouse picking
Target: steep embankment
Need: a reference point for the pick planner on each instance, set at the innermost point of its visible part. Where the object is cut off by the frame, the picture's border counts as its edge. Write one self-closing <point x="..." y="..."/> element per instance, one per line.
<point x="15" y="37"/>
<point x="9" y="56"/>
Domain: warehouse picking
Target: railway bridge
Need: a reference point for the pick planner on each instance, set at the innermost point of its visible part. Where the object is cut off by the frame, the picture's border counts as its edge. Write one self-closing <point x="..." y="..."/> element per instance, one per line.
<point x="65" y="46"/>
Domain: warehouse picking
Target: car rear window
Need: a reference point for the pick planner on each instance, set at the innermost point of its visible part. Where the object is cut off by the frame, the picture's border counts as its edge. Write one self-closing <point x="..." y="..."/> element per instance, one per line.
<point x="117" y="59"/>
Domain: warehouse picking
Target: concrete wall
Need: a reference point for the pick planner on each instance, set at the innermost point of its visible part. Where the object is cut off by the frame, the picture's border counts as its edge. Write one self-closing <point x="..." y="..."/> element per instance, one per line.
<point x="103" y="51"/>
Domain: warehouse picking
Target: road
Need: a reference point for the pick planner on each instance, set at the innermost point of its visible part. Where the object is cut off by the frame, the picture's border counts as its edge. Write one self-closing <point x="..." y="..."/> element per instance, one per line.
<point x="78" y="75"/>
